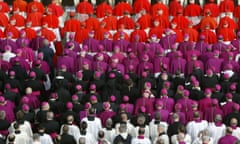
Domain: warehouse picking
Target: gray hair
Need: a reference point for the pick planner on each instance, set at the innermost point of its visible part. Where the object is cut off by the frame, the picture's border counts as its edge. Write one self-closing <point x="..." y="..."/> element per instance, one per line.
<point x="109" y="122"/>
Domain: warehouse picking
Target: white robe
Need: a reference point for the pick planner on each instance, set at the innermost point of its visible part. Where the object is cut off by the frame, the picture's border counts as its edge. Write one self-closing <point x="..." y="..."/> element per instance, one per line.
<point x="193" y="128"/>
<point x="199" y="141"/>
<point x="109" y="134"/>
<point x="25" y="127"/>
<point x="89" y="138"/>
<point x="153" y="132"/>
<point x="21" y="138"/>
<point x="187" y="139"/>
<point x="45" y="139"/>
<point x="73" y="131"/>
<point x="216" y="132"/>
<point x="130" y="129"/>
<point x="93" y="126"/>
<point x="236" y="132"/>
<point x="140" y="141"/>
<point x="146" y="133"/>
<point x="105" y="140"/>
<point x="164" y="137"/>
<point x="8" y="55"/>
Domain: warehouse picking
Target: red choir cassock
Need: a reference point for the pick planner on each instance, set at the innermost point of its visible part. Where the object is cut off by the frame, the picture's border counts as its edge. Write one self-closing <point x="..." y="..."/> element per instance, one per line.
<point x="208" y="20"/>
<point x="227" y="33"/>
<point x="210" y="37"/>
<point x="30" y="33"/>
<point x="145" y="21"/>
<point x="157" y="31"/>
<point x="231" y="23"/>
<point x="192" y="10"/>
<point x="121" y="7"/>
<point x="174" y="7"/>
<point x="21" y="5"/>
<point x="140" y="5"/>
<point x="1" y="34"/>
<point x="102" y="9"/>
<point x="117" y="35"/>
<point x="51" y="20"/>
<point x="226" y="6"/>
<point x="141" y="33"/>
<point x="84" y="7"/>
<point x="193" y="33"/>
<point x="212" y="7"/>
<point x="236" y="12"/>
<point x="110" y="22"/>
<point x="3" y="20"/>
<point x="81" y="34"/>
<point x="99" y="33"/>
<point x="20" y="20"/>
<point x="92" y="23"/>
<point x="126" y="21"/>
<point x="72" y="24"/>
<point x="13" y="30"/>
<point x="39" y="6"/>
<point x="181" y="21"/>
<point x="4" y="7"/>
<point x="162" y="20"/>
<point x="48" y="34"/>
<point x="56" y="9"/>
<point x="179" y="35"/>
<point x="159" y="6"/>
<point x="35" y="18"/>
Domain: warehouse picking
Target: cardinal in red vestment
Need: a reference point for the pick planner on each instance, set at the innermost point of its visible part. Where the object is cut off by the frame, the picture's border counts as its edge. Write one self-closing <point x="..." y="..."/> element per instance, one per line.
<point x="102" y="9"/>
<point x="84" y="7"/>
<point x="121" y="7"/>
<point x="174" y="6"/>
<point x="4" y="7"/>
<point x="92" y="23"/>
<point x="30" y="32"/>
<point x="141" y="33"/>
<point x="110" y="20"/>
<point x="21" y="5"/>
<point x="140" y="5"/>
<point x="72" y="24"/>
<point x="35" y="3"/>
<point x="159" y="6"/>
<point x="226" y="31"/>
<point x="35" y="17"/>
<point x="126" y="21"/>
<point x="212" y="7"/>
